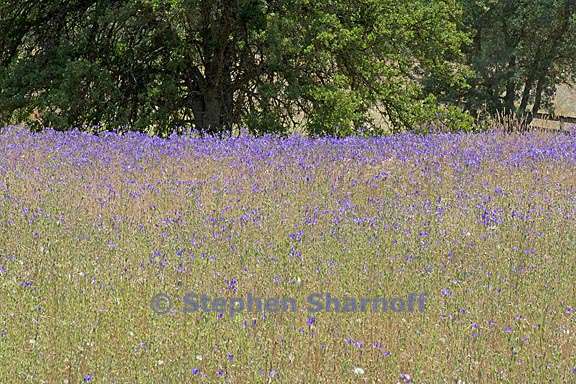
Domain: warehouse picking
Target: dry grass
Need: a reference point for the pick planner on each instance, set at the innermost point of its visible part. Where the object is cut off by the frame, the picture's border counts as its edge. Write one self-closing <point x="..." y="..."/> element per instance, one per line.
<point x="92" y="228"/>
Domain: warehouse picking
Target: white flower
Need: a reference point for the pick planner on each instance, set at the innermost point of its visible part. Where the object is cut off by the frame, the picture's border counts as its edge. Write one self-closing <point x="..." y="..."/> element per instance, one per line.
<point x="358" y="371"/>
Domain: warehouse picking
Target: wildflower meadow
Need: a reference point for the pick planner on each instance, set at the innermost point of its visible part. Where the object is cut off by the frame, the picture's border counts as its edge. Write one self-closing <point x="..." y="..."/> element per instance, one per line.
<point x="476" y="232"/>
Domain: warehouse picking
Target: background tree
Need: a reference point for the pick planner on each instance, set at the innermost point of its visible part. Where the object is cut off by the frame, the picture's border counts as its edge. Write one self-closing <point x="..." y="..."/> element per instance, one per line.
<point x="156" y="66"/>
<point x="521" y="51"/>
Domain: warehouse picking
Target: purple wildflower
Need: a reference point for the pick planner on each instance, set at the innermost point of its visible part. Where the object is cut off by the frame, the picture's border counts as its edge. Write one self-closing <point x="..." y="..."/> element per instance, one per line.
<point x="295" y="252"/>
<point x="296" y="236"/>
<point x="232" y="285"/>
<point x="405" y="378"/>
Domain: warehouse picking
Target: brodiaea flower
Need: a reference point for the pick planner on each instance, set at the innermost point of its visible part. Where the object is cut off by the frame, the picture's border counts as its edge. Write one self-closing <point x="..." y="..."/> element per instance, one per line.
<point x="445" y="292"/>
<point x="296" y="236"/>
<point x="220" y="373"/>
<point x="310" y="321"/>
<point x="88" y="378"/>
<point x="232" y="285"/>
<point x="406" y="378"/>
<point x="195" y="371"/>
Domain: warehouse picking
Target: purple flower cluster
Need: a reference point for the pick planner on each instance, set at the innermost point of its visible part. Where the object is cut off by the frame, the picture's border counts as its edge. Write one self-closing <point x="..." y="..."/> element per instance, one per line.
<point x="475" y="220"/>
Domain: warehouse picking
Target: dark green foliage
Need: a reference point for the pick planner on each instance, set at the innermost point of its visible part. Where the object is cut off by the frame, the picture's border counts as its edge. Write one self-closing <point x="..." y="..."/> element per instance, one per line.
<point x="160" y="66"/>
<point x="336" y="67"/>
<point x="521" y="50"/>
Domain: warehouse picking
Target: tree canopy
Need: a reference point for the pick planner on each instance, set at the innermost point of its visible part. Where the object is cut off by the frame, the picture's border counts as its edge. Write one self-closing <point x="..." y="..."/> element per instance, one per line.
<point x="521" y="50"/>
<point x="333" y="67"/>
<point x="156" y="65"/>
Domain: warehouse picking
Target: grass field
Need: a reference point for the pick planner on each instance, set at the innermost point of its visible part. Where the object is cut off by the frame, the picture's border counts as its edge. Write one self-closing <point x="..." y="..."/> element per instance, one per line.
<point x="564" y="105"/>
<point x="565" y="101"/>
<point x="92" y="229"/>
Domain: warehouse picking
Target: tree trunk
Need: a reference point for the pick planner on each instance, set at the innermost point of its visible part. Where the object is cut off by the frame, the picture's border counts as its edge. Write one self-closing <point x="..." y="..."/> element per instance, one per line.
<point x="526" y="94"/>
<point x="211" y="97"/>
<point x="538" y="97"/>
<point x="510" y="88"/>
<point x="210" y="115"/>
